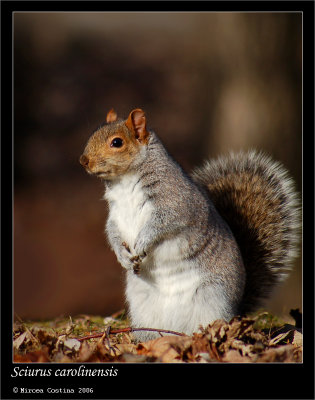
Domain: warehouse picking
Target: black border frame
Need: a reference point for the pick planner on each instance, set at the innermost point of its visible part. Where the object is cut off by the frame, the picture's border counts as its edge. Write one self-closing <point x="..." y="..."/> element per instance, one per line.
<point x="286" y="381"/>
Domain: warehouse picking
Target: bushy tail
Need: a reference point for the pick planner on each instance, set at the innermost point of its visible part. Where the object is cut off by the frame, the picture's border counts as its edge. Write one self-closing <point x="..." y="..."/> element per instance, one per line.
<point x="257" y="199"/>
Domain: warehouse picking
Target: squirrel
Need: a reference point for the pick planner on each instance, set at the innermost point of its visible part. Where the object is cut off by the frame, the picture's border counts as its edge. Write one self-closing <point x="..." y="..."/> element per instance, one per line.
<point x="199" y="247"/>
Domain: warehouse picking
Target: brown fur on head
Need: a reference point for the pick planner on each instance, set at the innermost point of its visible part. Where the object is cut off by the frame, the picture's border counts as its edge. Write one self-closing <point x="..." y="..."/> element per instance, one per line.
<point x="114" y="148"/>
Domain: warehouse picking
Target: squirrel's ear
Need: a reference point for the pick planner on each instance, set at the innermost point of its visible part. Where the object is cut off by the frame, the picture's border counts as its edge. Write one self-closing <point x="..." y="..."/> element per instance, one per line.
<point x="111" y="116"/>
<point x="136" y="122"/>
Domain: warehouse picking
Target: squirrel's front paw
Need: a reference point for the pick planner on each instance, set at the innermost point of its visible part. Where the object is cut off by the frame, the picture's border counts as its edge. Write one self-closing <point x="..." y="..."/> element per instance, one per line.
<point x="124" y="256"/>
<point x="127" y="259"/>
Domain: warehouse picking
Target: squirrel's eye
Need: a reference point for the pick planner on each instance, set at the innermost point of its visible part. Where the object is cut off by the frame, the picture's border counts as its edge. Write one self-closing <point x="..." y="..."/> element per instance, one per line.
<point x="117" y="142"/>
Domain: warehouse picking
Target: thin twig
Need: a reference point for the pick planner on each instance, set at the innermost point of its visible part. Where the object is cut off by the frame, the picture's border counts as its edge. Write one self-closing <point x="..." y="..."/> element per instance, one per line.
<point x="18" y="317"/>
<point x="154" y="330"/>
<point x="107" y="332"/>
<point x="129" y="329"/>
<point x="118" y="314"/>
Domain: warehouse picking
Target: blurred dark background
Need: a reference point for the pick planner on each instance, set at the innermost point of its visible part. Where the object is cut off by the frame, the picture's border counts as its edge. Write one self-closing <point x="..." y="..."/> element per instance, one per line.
<point x="209" y="83"/>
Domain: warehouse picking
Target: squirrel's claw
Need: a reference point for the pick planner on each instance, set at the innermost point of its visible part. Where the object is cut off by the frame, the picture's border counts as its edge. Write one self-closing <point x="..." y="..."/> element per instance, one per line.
<point x="140" y="249"/>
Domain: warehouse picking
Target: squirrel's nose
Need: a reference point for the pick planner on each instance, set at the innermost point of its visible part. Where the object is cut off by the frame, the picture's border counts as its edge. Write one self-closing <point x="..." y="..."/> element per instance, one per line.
<point x="84" y="160"/>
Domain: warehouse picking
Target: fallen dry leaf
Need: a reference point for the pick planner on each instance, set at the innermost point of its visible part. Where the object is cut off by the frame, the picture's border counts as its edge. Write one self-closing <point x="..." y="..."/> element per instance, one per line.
<point x="283" y="353"/>
<point x="234" y="356"/>
<point x="283" y="337"/>
<point x="297" y="339"/>
<point x="126" y="348"/>
<point x="40" y="356"/>
<point x="20" y="339"/>
<point x="72" y="344"/>
<point x="166" y="349"/>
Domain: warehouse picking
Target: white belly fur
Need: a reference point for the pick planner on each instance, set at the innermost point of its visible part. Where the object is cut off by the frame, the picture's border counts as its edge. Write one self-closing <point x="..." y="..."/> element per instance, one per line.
<point x="126" y="208"/>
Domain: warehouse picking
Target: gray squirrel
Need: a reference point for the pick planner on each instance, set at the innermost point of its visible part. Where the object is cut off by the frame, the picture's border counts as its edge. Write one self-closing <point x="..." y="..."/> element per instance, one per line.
<point x="199" y="247"/>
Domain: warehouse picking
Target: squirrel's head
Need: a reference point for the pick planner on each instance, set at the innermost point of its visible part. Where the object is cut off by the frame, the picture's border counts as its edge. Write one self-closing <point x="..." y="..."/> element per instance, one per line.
<point x="117" y="146"/>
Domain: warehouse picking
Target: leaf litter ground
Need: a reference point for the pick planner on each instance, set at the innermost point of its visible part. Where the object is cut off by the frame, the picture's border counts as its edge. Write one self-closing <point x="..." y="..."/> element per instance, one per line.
<point x="261" y="337"/>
